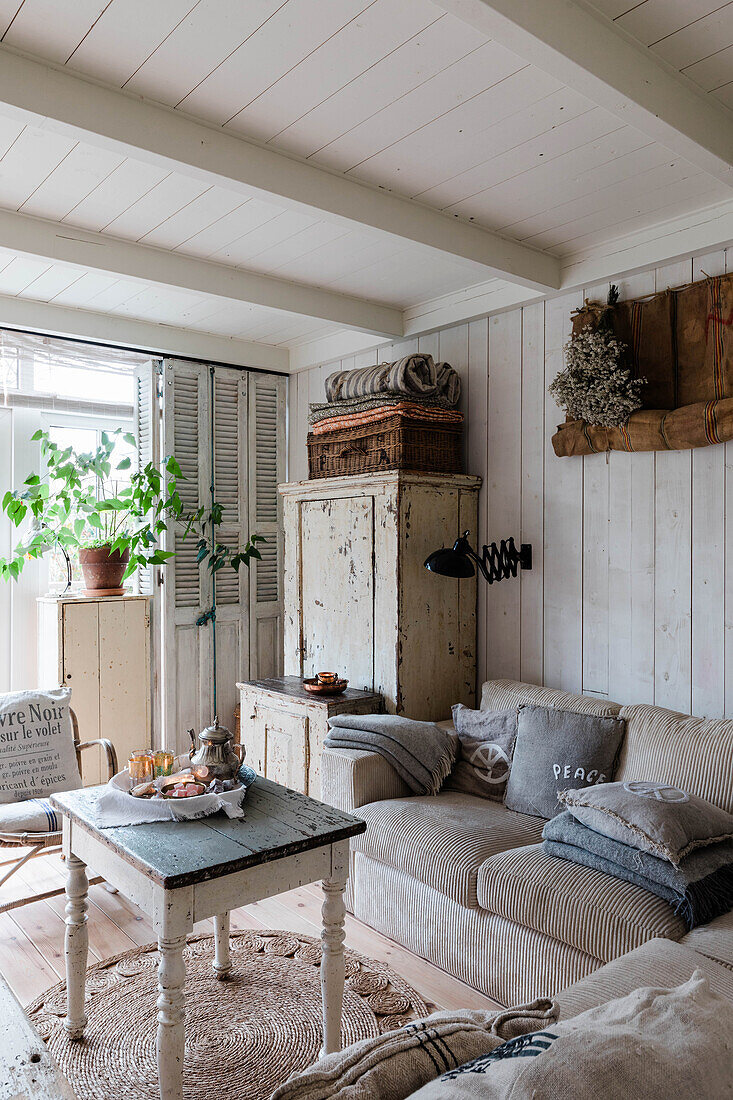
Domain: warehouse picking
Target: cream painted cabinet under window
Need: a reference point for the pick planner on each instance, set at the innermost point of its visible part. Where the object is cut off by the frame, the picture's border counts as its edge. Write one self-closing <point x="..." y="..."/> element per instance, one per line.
<point x="100" y="648"/>
<point x="358" y="600"/>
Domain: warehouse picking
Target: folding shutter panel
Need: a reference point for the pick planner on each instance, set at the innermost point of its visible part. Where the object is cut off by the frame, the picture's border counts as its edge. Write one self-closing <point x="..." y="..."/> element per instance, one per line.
<point x="147" y="438"/>
<point x="267" y="418"/>
<point x="187" y="588"/>
<point x="230" y="491"/>
<point x="147" y="435"/>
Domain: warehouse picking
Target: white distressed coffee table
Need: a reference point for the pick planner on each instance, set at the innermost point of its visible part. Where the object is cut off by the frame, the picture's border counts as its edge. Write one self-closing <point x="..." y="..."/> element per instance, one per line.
<point x="182" y="872"/>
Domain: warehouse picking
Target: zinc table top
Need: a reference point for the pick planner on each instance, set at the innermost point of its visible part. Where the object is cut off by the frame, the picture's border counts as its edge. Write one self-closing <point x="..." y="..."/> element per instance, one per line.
<point x="277" y="823"/>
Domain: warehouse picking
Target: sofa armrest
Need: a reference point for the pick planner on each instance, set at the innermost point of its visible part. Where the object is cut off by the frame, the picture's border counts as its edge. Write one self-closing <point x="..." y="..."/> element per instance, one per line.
<point x="351" y="778"/>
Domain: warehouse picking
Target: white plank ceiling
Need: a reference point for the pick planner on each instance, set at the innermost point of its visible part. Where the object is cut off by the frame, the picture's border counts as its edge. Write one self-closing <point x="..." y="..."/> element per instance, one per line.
<point x="394" y="93"/>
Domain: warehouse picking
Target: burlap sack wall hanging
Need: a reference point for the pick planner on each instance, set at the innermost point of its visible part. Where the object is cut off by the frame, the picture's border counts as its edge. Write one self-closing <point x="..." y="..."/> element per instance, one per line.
<point x="681" y="342"/>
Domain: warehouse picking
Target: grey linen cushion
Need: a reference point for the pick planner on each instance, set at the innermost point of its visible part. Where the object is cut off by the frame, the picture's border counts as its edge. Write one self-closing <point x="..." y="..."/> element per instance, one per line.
<point x="393" y="1065"/>
<point x="653" y="817"/>
<point x="672" y="1043"/>
<point x="557" y="749"/>
<point x="486" y="744"/>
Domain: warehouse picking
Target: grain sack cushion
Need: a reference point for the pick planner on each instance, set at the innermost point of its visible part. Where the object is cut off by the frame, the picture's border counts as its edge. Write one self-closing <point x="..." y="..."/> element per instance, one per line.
<point x="654" y="1042"/>
<point x="588" y="909"/>
<point x="393" y="1065"/>
<point x="443" y="840"/>
<point x="33" y="815"/>
<point x="715" y="940"/>
<point x="486" y="746"/>
<point x="37" y="755"/>
<point x="667" y="747"/>
<point x="557" y="749"/>
<point x="653" y="817"/>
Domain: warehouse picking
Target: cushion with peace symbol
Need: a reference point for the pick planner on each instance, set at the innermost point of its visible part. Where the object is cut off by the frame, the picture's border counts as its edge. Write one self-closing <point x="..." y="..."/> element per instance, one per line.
<point x="485" y="756"/>
<point x="653" y="817"/>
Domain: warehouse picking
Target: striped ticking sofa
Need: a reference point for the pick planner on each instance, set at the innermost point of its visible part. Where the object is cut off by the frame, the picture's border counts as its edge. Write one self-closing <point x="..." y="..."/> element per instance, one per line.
<point x="464" y="883"/>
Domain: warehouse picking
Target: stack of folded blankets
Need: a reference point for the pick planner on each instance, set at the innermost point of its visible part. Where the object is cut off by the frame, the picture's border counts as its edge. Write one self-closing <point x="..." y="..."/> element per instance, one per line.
<point x="669" y="842"/>
<point x="399" y="415"/>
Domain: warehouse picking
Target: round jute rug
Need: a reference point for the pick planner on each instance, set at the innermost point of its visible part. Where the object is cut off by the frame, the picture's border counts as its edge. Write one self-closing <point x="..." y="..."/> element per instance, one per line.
<point x="244" y="1036"/>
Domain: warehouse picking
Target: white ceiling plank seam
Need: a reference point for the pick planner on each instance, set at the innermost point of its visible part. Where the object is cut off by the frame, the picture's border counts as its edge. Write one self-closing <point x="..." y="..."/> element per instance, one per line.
<point x="115" y="120"/>
<point x="589" y="55"/>
<point x="100" y="252"/>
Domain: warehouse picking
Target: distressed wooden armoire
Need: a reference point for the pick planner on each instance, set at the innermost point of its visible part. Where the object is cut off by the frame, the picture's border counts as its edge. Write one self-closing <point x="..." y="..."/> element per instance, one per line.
<point x="358" y="600"/>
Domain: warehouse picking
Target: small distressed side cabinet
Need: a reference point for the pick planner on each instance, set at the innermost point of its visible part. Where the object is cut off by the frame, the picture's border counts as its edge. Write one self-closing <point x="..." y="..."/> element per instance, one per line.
<point x="283" y="728"/>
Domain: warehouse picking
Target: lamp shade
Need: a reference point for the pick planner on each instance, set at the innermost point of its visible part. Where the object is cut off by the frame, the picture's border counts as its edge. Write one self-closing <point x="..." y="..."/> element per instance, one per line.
<point x="451" y="561"/>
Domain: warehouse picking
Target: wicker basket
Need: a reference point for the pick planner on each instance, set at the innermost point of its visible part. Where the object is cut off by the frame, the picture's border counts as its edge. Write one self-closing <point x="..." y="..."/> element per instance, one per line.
<point x="397" y="443"/>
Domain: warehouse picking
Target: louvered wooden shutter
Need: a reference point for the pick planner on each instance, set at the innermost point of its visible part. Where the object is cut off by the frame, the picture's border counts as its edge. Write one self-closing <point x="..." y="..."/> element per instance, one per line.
<point x="267" y="419"/>
<point x="187" y="589"/>
<point x="230" y="490"/>
<point x="147" y="436"/>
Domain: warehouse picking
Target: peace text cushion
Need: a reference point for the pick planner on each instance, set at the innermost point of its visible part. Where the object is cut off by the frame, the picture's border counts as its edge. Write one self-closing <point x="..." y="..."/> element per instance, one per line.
<point x="653" y="1043"/>
<point x="654" y="817"/>
<point x="557" y="749"/>
<point x="37" y="755"/>
<point x="486" y="745"/>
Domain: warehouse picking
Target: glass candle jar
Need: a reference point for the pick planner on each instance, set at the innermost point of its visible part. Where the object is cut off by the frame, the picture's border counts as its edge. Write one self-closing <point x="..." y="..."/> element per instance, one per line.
<point x="162" y="763"/>
<point x="140" y="766"/>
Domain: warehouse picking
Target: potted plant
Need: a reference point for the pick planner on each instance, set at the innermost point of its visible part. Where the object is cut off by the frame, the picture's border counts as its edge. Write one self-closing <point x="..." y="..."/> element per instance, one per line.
<point x="88" y="502"/>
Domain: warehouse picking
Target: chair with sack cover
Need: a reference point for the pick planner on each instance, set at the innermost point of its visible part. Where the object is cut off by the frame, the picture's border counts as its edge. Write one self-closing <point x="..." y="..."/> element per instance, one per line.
<point x="40" y="753"/>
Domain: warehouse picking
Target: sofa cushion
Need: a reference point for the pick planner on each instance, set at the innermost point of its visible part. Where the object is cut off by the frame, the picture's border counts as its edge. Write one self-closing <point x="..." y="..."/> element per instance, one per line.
<point x="505" y="694"/>
<point x="442" y="840"/>
<point x="485" y="754"/>
<point x="35" y="815"/>
<point x="556" y="749"/>
<point x="598" y="914"/>
<point x="696" y="754"/>
<point x="657" y="962"/>
<point x="715" y="940"/>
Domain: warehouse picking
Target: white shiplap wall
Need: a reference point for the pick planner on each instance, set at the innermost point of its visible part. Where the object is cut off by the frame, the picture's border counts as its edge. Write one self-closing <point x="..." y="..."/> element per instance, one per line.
<point x="631" y="594"/>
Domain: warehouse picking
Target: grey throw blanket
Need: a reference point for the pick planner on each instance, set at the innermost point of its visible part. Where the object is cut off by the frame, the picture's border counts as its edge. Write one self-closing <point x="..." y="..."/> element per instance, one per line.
<point x="420" y="752"/>
<point x="699" y="889"/>
<point x="414" y="374"/>
<point x="318" y="411"/>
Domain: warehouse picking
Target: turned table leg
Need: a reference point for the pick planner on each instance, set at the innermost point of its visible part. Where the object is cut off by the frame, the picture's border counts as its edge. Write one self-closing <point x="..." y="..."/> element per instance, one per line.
<point x="222" y="963"/>
<point x="76" y="944"/>
<point x="171" y="1016"/>
<point x="332" y="962"/>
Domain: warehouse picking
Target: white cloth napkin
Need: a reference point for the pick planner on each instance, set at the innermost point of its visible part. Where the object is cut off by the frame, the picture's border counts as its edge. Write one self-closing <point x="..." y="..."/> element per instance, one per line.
<point x="117" y="807"/>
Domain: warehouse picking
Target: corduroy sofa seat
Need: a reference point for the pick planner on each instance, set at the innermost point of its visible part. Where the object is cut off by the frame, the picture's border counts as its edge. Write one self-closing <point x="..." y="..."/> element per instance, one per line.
<point x="600" y="915"/>
<point x="443" y="841"/>
<point x="463" y="881"/>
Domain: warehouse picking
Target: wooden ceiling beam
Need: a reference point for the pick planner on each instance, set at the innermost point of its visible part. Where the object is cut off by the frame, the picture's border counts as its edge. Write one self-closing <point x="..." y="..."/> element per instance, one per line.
<point x="587" y="53"/>
<point x="97" y="114"/>
<point x="100" y="252"/>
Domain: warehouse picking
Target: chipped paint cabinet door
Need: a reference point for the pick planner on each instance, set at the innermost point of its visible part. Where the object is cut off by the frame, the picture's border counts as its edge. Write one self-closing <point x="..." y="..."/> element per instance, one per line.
<point x="280" y="743"/>
<point x="358" y="600"/>
<point x="100" y="648"/>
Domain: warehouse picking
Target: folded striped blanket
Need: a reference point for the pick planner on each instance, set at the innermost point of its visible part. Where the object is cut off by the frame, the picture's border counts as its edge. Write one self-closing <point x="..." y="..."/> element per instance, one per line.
<point x="325" y="410"/>
<point x="414" y="374"/>
<point x="384" y="412"/>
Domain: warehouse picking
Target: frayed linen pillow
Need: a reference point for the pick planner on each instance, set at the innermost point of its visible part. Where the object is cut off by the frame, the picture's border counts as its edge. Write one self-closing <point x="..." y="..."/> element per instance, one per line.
<point x="37" y="754"/>
<point x="486" y="745"/>
<point x="393" y="1065"/>
<point x="671" y="1043"/>
<point x="557" y="749"/>
<point x="654" y="817"/>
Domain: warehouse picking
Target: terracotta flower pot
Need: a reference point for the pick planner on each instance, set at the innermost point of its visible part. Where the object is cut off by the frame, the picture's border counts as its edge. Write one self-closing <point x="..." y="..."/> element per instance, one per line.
<point x="103" y="571"/>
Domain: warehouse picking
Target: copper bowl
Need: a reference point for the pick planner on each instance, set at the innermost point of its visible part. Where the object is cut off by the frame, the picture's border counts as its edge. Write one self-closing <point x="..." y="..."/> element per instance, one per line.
<point x="314" y="686"/>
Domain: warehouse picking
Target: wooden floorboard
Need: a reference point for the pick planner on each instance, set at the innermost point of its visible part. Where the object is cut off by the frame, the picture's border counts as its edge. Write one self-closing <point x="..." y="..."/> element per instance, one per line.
<point x="32" y="937"/>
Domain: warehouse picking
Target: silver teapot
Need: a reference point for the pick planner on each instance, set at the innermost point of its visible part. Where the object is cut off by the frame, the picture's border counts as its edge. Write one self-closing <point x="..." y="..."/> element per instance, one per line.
<point x="217" y="753"/>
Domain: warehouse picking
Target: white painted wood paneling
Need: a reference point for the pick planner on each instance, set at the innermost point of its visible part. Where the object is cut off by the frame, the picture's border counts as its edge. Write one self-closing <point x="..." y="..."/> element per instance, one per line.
<point x="631" y="594"/>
